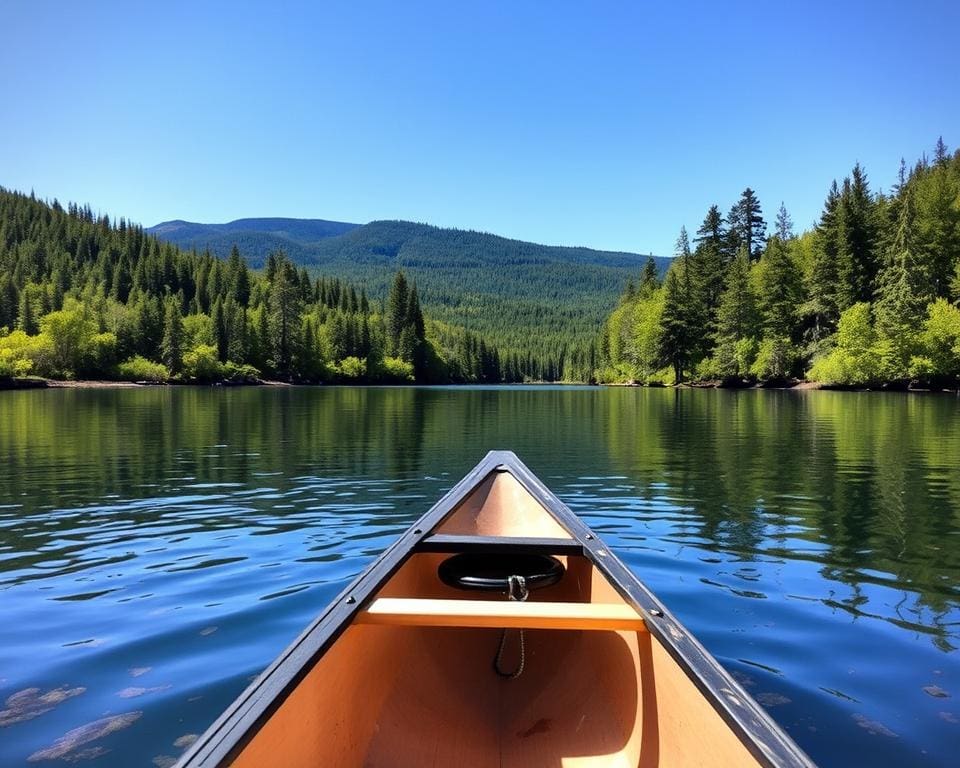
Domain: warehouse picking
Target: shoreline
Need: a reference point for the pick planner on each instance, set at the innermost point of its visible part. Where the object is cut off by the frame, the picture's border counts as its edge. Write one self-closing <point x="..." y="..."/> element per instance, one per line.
<point x="17" y="384"/>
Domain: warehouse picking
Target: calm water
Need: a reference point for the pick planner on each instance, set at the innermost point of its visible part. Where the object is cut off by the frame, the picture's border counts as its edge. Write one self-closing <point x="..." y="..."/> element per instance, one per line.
<point x="159" y="547"/>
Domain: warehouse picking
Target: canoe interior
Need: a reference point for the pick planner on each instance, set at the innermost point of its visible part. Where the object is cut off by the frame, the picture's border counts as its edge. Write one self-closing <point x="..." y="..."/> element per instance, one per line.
<point x="428" y="696"/>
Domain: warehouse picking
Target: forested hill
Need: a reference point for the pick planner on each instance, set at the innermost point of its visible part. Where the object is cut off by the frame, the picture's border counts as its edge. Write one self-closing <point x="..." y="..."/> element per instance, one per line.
<point x="256" y="238"/>
<point x="83" y="296"/>
<point x="869" y="297"/>
<point x="523" y="296"/>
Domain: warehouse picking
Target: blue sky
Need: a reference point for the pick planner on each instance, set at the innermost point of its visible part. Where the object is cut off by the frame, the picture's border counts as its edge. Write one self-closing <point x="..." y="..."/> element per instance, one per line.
<point x="602" y="124"/>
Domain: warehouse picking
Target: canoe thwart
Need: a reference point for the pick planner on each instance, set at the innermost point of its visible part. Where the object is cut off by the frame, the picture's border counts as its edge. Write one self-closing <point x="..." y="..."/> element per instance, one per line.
<point x="500" y="614"/>
<point x="446" y="542"/>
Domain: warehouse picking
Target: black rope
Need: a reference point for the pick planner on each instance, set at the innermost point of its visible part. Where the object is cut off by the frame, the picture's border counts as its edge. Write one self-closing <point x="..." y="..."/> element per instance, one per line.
<point x="516" y="590"/>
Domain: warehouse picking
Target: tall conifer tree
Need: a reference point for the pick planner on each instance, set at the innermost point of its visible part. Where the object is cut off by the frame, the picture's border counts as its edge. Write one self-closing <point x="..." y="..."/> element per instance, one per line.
<point x="746" y="227"/>
<point x="903" y="295"/>
<point x="823" y="306"/>
<point x="284" y="315"/>
<point x="171" y="346"/>
<point x="680" y="319"/>
<point x="737" y="316"/>
<point x="709" y="267"/>
<point x="857" y="258"/>
<point x="396" y="312"/>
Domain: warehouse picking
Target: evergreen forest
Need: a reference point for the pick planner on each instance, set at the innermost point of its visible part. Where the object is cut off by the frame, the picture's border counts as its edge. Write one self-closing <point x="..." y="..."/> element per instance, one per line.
<point x="522" y="297"/>
<point x="82" y="297"/>
<point x="869" y="297"/>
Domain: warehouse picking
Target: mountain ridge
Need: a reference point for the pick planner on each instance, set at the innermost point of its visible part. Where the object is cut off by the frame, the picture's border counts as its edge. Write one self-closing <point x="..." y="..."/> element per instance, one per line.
<point x="524" y="294"/>
<point x="299" y="230"/>
<point x="178" y="230"/>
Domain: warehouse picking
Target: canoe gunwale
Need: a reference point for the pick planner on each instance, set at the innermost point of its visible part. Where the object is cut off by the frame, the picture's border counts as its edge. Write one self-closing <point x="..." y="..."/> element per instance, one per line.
<point x="230" y="733"/>
<point x="762" y="735"/>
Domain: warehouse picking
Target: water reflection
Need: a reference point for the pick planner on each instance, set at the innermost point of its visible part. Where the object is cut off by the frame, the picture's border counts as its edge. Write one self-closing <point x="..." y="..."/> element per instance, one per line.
<point x="164" y="544"/>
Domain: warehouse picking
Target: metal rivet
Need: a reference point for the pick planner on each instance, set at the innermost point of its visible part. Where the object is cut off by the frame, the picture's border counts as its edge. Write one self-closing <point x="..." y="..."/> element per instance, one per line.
<point x="417" y="530"/>
<point x="590" y="536"/>
<point x="351" y="600"/>
<point x="656" y="612"/>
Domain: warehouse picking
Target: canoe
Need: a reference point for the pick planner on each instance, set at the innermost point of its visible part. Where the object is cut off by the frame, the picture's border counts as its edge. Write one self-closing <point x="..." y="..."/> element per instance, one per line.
<point x="499" y="630"/>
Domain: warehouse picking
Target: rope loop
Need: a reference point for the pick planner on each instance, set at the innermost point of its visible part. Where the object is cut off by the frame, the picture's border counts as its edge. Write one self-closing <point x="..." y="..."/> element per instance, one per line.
<point x="516" y="591"/>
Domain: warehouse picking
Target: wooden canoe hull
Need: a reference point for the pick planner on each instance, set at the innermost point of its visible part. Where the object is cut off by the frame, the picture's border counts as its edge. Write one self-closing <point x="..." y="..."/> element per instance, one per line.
<point x="397" y="672"/>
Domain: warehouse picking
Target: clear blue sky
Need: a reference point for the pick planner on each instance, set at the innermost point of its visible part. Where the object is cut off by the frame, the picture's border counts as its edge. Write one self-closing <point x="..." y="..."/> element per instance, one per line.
<point x="593" y="123"/>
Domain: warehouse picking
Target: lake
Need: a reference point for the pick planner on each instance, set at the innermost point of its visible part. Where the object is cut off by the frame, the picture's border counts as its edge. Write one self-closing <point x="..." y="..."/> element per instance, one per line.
<point x="159" y="546"/>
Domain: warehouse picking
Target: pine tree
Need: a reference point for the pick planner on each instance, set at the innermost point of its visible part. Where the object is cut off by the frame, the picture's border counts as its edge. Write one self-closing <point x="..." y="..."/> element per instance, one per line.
<point x="407" y="344"/>
<point x="737" y="316"/>
<point x="396" y="312"/>
<point x="219" y="329"/>
<point x="274" y="260"/>
<point x="680" y="319"/>
<point x="414" y="320"/>
<point x="9" y="301"/>
<point x="823" y="306"/>
<point x="937" y="201"/>
<point x="784" y="224"/>
<point x="122" y="281"/>
<point x="238" y="278"/>
<point x="711" y="232"/>
<point x="365" y="341"/>
<point x="235" y="324"/>
<point x="682" y="247"/>
<point x="857" y="257"/>
<point x="649" y="279"/>
<point x="149" y="325"/>
<point x="337" y="336"/>
<point x="171" y="347"/>
<point x="940" y="155"/>
<point x="746" y="226"/>
<point x="284" y="315"/>
<point x="414" y="313"/>
<point x="708" y="266"/>
<point x="27" y="317"/>
<point x="781" y="292"/>
<point x="903" y="296"/>
<point x="215" y="283"/>
<point x="201" y="297"/>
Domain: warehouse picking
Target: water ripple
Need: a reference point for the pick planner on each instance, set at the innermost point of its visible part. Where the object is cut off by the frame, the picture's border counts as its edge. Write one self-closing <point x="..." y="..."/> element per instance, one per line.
<point x="165" y="546"/>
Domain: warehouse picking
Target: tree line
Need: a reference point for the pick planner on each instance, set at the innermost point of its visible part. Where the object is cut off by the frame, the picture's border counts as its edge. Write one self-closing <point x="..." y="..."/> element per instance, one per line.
<point x="84" y="297"/>
<point x="536" y="302"/>
<point x="869" y="297"/>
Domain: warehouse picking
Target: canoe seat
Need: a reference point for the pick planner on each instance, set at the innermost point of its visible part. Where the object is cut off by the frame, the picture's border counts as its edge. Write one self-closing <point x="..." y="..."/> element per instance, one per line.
<point x="500" y="614"/>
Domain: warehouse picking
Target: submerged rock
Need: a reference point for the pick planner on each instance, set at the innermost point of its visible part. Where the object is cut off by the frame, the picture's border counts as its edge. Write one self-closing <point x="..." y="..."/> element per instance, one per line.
<point x="137" y="671"/>
<point x="873" y="726"/>
<point x="772" y="699"/>
<point x="30" y="703"/>
<point x="133" y="692"/>
<point x="69" y="742"/>
<point x="86" y="754"/>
